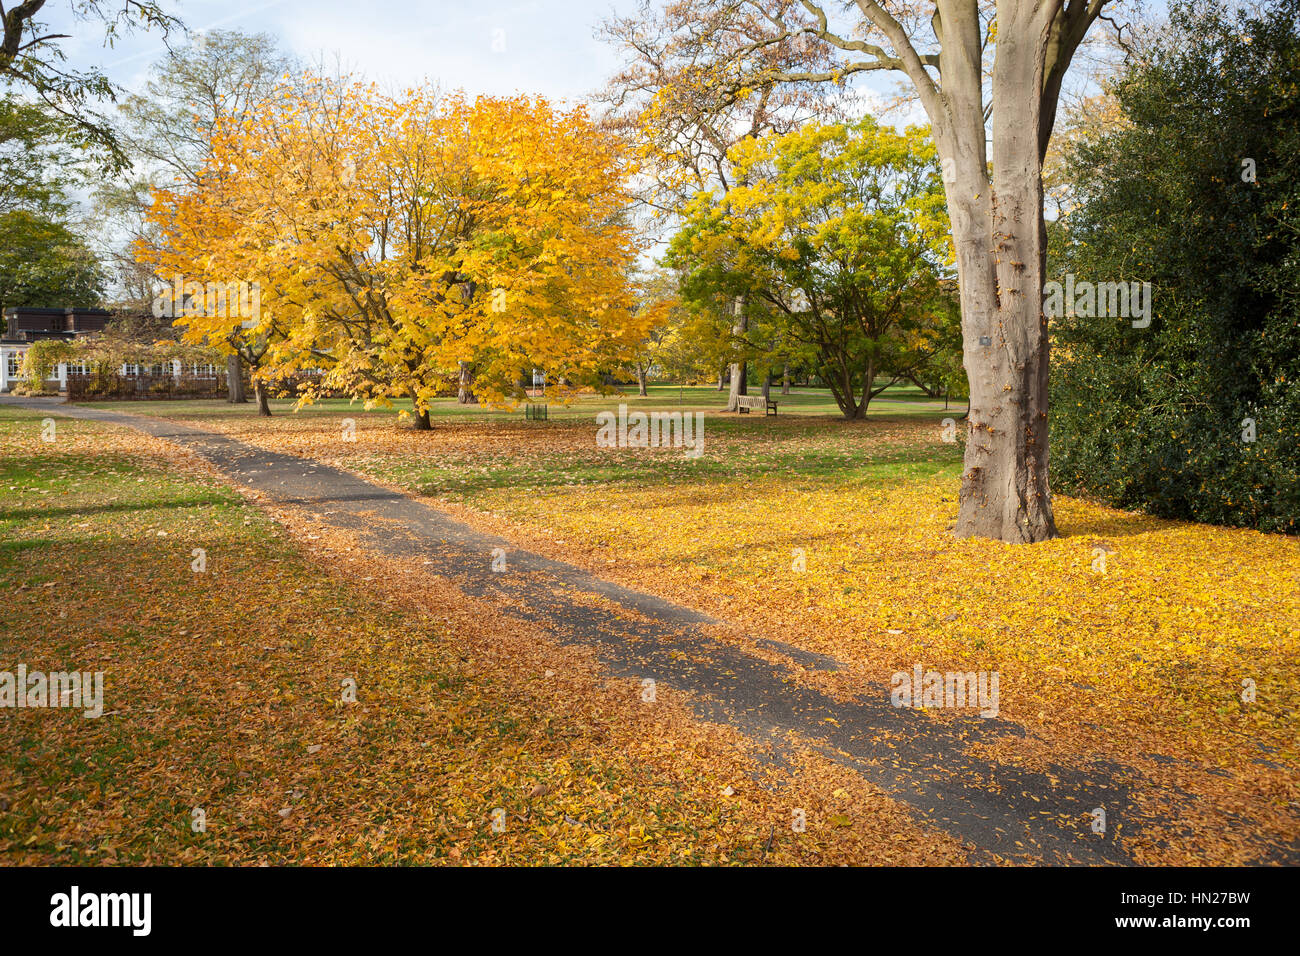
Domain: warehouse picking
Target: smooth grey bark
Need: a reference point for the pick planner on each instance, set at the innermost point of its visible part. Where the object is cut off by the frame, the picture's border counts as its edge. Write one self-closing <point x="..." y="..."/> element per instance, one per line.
<point x="235" y="381"/>
<point x="739" y="370"/>
<point x="1001" y="258"/>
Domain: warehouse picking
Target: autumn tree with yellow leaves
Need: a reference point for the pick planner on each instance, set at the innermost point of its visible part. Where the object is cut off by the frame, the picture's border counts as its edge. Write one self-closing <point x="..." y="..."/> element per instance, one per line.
<point x="396" y="240"/>
<point x="685" y="116"/>
<point x="838" y="238"/>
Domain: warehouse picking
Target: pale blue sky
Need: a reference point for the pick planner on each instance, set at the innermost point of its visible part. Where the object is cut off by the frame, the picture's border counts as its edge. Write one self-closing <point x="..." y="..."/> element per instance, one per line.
<point x="549" y="45"/>
<point x="499" y="47"/>
<point x="483" y="46"/>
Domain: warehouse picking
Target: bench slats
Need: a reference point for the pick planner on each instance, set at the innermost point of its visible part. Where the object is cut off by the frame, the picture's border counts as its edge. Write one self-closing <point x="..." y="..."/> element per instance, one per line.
<point x="757" y="402"/>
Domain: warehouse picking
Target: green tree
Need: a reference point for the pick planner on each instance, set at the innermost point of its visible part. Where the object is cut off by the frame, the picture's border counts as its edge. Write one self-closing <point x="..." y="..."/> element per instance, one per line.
<point x="43" y="260"/>
<point x="934" y="362"/>
<point x="1197" y="192"/>
<point x="31" y="60"/>
<point x="38" y="169"/>
<point x="836" y="240"/>
<point x="44" y="264"/>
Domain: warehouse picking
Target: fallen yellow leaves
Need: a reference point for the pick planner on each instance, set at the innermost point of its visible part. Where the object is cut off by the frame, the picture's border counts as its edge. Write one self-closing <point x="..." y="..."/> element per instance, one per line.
<point x="223" y="692"/>
<point x="1172" y="648"/>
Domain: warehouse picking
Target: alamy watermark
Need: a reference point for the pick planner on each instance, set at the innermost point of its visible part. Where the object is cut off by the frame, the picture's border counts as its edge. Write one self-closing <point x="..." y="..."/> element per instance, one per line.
<point x="213" y="300"/>
<point x="951" y="689"/>
<point x="651" y="430"/>
<point x="75" y="908"/>
<point x="77" y="690"/>
<point x="1113" y="300"/>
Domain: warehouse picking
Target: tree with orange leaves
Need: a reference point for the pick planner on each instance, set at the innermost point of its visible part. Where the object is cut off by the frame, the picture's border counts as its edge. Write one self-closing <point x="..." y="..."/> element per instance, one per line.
<point x="396" y="239"/>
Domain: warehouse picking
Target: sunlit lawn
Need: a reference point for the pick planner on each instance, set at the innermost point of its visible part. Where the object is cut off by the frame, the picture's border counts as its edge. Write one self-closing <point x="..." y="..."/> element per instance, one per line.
<point x="896" y="400"/>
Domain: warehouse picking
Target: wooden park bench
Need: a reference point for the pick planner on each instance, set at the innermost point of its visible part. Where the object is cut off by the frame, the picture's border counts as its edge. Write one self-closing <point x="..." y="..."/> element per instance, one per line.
<point x="757" y="402"/>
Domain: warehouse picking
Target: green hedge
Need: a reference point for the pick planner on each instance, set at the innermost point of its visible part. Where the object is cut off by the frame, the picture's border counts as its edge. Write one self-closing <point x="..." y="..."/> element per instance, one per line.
<point x="1153" y="418"/>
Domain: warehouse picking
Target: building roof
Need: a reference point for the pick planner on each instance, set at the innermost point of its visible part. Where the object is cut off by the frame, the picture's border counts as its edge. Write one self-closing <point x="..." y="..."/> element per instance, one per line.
<point x="35" y="310"/>
<point x="24" y="324"/>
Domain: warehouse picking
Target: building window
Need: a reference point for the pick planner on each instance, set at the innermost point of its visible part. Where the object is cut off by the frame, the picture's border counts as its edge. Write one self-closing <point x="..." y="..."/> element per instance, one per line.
<point x="13" y="362"/>
<point x="130" y="368"/>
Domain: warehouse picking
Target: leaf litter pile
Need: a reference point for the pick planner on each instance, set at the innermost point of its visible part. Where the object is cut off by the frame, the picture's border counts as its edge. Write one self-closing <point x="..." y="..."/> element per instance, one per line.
<point x="1169" y="648"/>
<point x="229" y="737"/>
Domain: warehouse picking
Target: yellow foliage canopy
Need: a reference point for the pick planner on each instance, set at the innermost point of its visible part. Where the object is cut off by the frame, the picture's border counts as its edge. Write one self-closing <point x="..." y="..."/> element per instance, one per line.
<point x="393" y="238"/>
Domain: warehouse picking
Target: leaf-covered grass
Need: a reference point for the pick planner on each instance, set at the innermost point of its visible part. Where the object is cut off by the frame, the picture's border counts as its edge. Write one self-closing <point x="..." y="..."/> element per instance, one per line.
<point x="1129" y="639"/>
<point x="466" y="479"/>
<point x="895" y="400"/>
<point x="223" y="692"/>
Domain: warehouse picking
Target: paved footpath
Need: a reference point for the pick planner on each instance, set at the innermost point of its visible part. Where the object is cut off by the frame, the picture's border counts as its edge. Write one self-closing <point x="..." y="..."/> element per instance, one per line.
<point x="999" y="809"/>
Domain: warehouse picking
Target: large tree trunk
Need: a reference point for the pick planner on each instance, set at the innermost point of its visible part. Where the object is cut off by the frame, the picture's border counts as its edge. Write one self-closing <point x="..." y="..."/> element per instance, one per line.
<point x="785" y="379"/>
<point x="855" y="408"/>
<point x="235" y="381"/>
<point x="263" y="403"/>
<point x="465" y="394"/>
<point x="838" y="377"/>
<point x="640" y="379"/>
<point x="722" y="378"/>
<point x="1001" y="259"/>
<point x="1001" y="246"/>
<point x="739" y="370"/>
